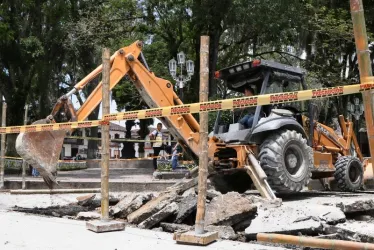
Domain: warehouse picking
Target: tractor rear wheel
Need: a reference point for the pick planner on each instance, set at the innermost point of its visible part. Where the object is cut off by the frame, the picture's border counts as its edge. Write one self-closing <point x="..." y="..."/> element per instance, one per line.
<point x="287" y="161"/>
<point x="349" y="173"/>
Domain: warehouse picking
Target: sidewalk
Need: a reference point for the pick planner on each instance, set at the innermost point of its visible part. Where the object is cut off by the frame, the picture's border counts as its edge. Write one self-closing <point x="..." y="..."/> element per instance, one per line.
<point x="21" y="231"/>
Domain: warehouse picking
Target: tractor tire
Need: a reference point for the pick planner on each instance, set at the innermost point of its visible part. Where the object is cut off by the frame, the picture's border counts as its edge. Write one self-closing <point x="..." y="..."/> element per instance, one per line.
<point x="287" y="161"/>
<point x="349" y="173"/>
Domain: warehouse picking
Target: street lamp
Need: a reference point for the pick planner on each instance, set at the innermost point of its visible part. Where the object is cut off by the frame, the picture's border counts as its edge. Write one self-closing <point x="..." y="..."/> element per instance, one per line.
<point x="181" y="79"/>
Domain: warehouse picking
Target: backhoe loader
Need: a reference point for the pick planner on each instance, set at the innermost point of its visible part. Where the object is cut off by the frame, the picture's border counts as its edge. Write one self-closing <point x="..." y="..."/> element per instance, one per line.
<point x="281" y="151"/>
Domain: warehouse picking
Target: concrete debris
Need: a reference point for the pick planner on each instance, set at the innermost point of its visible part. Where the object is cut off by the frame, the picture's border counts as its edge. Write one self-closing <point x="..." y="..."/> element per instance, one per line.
<point x="182" y="186"/>
<point x="159" y="216"/>
<point x="151" y="207"/>
<point x="88" y="216"/>
<point x="354" y="231"/>
<point x="83" y="200"/>
<point x="291" y="219"/>
<point x="188" y="192"/>
<point x="172" y="227"/>
<point x="224" y="232"/>
<point x="211" y="193"/>
<point x="356" y="205"/>
<point x="229" y="209"/>
<point x="129" y="204"/>
<point x="94" y="200"/>
<point x="186" y="207"/>
<point x="157" y="229"/>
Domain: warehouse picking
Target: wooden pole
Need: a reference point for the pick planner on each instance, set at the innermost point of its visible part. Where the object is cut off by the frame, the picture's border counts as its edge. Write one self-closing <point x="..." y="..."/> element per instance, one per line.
<point x="24" y="162"/>
<point x="203" y="142"/>
<point x="105" y="138"/>
<point x="364" y="65"/>
<point x="3" y="138"/>
<point x="313" y="242"/>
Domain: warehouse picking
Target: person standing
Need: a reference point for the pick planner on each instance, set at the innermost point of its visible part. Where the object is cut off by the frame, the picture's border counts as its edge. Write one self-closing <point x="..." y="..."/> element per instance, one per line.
<point x="176" y="151"/>
<point x="157" y="145"/>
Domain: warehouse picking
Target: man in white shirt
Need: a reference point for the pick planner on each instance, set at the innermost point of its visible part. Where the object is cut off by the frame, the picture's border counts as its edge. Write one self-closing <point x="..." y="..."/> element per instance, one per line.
<point x="157" y="145"/>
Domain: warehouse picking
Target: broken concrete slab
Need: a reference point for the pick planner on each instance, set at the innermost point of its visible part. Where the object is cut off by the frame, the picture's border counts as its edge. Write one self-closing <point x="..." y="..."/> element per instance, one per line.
<point x="188" y="192"/>
<point x="211" y="193"/>
<point x="353" y="230"/>
<point x="186" y="207"/>
<point x="228" y="209"/>
<point x="83" y="200"/>
<point x="224" y="232"/>
<point x="129" y="205"/>
<point x="151" y="207"/>
<point x="293" y="219"/>
<point x="88" y="216"/>
<point x="172" y="227"/>
<point x="182" y="186"/>
<point x="354" y="206"/>
<point x="159" y="216"/>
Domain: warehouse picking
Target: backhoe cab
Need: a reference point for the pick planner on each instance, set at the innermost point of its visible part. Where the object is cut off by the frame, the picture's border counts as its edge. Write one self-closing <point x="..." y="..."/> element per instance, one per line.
<point x="286" y="139"/>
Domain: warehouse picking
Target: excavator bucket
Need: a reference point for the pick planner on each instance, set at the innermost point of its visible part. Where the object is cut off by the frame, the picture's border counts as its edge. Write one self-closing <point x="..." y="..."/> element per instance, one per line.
<point x="42" y="150"/>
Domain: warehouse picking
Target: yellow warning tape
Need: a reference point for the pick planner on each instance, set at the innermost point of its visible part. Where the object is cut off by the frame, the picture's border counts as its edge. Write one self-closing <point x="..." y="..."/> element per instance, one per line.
<point x="51" y="127"/>
<point x="235" y="103"/>
<point x="119" y="140"/>
<point x="117" y="159"/>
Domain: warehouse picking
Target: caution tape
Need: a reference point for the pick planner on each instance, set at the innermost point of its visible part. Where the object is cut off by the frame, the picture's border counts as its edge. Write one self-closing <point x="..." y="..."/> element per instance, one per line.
<point x="51" y="127"/>
<point x="243" y="102"/>
<point x="115" y="159"/>
<point x="119" y="140"/>
<point x="234" y="103"/>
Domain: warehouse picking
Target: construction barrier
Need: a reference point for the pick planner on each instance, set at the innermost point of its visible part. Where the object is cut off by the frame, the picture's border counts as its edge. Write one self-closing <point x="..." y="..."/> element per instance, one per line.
<point x="114" y="140"/>
<point x="227" y="104"/>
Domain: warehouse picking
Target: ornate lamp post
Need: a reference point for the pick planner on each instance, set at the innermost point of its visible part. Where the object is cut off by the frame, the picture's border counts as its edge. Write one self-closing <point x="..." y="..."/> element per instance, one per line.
<point x="355" y="109"/>
<point x="181" y="79"/>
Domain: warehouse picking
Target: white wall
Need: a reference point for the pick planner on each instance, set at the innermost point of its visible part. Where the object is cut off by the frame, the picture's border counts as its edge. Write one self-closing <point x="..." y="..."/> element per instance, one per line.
<point x="67" y="148"/>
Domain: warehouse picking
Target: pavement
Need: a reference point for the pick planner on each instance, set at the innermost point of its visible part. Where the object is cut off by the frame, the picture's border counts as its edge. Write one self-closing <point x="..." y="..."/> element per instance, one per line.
<point x="20" y="231"/>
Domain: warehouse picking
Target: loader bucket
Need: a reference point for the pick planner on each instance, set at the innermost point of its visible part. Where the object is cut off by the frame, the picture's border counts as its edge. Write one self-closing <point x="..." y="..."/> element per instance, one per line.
<point x="42" y="150"/>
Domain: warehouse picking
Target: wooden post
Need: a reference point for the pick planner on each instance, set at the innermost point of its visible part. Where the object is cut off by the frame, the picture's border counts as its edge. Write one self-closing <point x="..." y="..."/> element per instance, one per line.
<point x="24" y="163"/>
<point x="105" y="137"/>
<point x="203" y="142"/>
<point x="364" y="65"/>
<point x="3" y="138"/>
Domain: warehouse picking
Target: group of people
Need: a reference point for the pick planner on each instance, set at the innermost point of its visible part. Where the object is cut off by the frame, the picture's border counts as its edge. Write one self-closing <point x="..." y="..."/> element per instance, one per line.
<point x="158" y="146"/>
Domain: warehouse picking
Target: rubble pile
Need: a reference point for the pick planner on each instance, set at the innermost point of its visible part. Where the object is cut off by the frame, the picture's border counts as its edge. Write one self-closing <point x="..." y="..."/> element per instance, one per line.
<point x="235" y="216"/>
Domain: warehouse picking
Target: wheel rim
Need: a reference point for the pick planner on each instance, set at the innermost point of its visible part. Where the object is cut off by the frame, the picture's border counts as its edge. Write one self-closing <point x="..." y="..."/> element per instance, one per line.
<point x="293" y="160"/>
<point x="354" y="172"/>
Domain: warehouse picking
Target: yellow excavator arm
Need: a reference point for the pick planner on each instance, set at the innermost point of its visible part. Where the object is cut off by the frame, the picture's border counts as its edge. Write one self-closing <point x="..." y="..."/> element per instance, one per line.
<point x="156" y="92"/>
